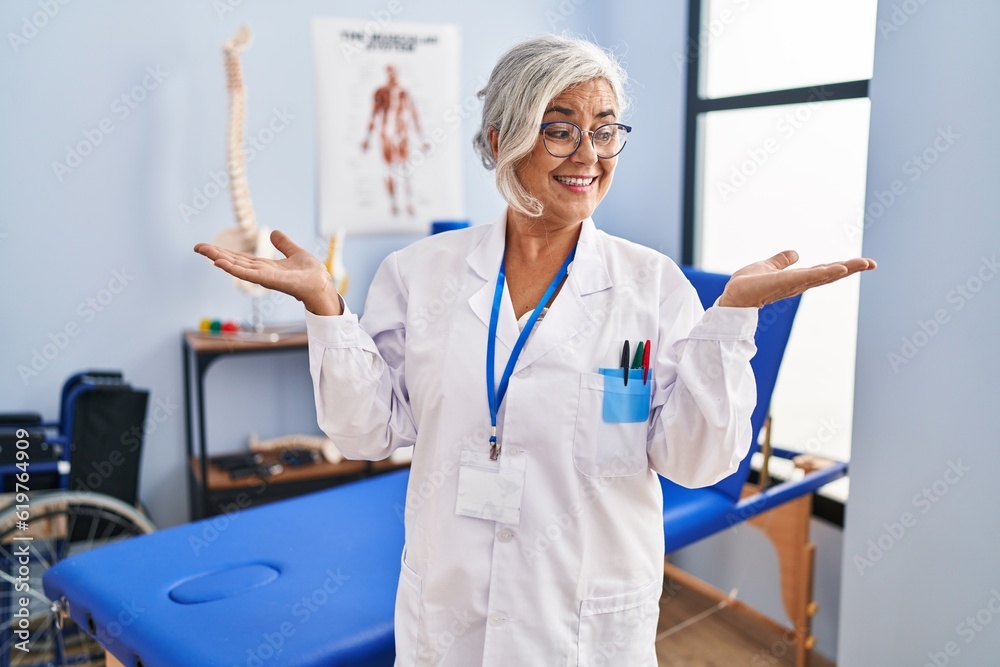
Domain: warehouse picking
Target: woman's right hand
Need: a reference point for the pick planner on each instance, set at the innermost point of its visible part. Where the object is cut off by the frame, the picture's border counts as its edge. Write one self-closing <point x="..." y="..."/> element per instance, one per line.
<point x="299" y="275"/>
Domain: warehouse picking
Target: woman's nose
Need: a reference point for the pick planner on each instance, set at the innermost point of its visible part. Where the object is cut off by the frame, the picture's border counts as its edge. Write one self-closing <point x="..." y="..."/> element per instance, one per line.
<point x="586" y="153"/>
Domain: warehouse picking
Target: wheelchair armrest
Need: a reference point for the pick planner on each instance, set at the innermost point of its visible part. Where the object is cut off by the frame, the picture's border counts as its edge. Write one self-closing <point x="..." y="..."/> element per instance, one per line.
<point x="20" y="419"/>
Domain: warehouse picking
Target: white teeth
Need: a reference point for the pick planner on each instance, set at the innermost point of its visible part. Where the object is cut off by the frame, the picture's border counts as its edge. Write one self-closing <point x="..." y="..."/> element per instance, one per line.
<point x="575" y="181"/>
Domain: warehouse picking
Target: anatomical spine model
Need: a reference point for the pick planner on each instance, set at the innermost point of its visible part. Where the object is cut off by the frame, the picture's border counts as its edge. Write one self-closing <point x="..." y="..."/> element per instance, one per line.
<point x="246" y="236"/>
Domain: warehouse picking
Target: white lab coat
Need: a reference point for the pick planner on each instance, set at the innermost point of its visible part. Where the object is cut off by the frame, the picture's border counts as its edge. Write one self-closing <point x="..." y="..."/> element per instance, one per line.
<point x="577" y="581"/>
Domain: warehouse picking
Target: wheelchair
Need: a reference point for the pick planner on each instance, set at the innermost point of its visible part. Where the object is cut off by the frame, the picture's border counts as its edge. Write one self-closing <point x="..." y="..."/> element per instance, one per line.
<point x="66" y="487"/>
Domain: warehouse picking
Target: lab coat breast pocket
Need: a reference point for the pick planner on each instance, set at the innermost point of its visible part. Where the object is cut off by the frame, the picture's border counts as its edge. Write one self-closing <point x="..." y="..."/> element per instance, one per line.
<point x="407" y="615"/>
<point x="611" y="424"/>
<point x="620" y="629"/>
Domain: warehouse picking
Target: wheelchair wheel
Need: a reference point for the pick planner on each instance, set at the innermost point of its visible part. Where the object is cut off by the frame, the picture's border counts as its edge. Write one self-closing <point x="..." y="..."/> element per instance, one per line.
<point x="61" y="524"/>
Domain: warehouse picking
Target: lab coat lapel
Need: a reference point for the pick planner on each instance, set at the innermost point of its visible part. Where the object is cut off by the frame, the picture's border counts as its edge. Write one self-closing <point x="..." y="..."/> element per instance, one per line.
<point x="570" y="313"/>
<point x="485" y="261"/>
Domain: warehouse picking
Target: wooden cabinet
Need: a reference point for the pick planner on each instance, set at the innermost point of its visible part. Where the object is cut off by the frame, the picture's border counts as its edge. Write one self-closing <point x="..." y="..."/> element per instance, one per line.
<point x="211" y="490"/>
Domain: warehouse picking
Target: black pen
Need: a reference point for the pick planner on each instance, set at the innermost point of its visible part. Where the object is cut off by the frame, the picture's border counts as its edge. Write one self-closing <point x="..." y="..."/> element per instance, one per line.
<point x="625" y="361"/>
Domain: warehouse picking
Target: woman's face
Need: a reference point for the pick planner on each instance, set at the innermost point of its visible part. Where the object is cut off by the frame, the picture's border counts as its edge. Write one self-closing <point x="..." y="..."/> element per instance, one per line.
<point x="552" y="180"/>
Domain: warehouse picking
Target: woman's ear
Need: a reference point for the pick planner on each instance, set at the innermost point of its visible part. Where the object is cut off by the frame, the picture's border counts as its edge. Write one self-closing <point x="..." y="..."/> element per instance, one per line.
<point x="495" y="142"/>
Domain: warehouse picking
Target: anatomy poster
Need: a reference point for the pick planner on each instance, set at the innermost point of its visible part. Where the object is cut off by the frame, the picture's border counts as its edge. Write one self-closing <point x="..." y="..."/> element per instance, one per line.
<point x="389" y="133"/>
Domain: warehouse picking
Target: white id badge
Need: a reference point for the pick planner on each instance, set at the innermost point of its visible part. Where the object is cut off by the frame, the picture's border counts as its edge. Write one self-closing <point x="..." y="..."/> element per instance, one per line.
<point x="491" y="490"/>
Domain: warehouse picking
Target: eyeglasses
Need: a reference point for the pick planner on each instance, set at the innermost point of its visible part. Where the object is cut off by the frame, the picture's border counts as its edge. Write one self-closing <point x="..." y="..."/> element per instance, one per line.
<point x="562" y="138"/>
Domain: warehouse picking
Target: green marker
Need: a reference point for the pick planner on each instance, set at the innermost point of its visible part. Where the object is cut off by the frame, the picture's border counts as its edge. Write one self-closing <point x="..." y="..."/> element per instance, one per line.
<point x="637" y="359"/>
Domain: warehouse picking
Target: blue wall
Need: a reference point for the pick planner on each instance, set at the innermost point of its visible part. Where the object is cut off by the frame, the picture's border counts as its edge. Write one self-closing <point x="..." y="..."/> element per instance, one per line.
<point x="110" y="228"/>
<point x="645" y="203"/>
<point x="921" y="585"/>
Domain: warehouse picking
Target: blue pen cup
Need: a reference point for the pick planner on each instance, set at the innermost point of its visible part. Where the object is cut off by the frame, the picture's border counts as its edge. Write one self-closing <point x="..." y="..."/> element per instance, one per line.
<point x="439" y="226"/>
<point x="625" y="403"/>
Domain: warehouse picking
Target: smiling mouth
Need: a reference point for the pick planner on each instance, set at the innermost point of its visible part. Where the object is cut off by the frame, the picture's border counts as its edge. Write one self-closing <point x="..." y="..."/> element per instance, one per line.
<point x="575" y="181"/>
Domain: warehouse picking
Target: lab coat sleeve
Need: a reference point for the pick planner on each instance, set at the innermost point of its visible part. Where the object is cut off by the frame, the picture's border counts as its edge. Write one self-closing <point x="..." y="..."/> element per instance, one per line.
<point x="704" y="390"/>
<point x="358" y="382"/>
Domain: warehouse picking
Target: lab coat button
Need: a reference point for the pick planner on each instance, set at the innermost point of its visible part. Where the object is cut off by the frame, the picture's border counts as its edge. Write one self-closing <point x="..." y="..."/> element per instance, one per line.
<point x="505" y="535"/>
<point x="524" y="372"/>
<point x="497" y="619"/>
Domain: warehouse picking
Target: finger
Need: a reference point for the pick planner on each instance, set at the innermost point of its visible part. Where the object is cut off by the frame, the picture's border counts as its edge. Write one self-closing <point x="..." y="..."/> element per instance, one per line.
<point x="858" y="264"/>
<point x="284" y="244"/>
<point x="783" y="259"/>
<point x="851" y="266"/>
<point x="825" y="274"/>
<point x="797" y="281"/>
<point x="208" y="250"/>
<point x="214" y="252"/>
<point x="242" y="272"/>
<point x="241" y="264"/>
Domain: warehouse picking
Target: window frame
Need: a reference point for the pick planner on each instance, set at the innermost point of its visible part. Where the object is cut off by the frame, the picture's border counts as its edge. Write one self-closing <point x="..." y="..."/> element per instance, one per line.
<point x="828" y="508"/>
<point x="695" y="106"/>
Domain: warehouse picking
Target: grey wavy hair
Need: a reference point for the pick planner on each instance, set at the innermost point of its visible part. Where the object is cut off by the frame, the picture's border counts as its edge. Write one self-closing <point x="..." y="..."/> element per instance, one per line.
<point x="523" y="83"/>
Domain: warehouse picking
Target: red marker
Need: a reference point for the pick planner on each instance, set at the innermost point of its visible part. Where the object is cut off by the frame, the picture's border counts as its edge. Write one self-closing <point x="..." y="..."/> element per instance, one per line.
<point x="645" y="361"/>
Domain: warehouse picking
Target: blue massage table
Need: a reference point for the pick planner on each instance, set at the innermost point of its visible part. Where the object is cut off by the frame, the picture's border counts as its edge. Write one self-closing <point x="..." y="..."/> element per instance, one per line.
<point x="311" y="581"/>
<point x="308" y="581"/>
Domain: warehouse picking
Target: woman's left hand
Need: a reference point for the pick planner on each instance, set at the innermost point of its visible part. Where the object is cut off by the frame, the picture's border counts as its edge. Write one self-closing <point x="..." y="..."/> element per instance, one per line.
<point x="768" y="281"/>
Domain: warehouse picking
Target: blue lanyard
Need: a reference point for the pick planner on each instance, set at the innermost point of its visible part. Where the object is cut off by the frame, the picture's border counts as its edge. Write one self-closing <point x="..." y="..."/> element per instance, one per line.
<point x="494" y="394"/>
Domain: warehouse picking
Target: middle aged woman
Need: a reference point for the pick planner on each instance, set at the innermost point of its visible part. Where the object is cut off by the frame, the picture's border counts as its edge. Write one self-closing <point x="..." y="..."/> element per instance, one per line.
<point x="533" y="517"/>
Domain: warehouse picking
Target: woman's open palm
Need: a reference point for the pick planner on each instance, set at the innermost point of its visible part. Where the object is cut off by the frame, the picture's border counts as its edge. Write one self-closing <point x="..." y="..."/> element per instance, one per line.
<point x="770" y="280"/>
<point x="300" y="274"/>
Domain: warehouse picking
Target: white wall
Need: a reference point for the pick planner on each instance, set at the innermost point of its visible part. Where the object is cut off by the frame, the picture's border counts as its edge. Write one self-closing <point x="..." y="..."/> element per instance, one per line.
<point x="917" y="568"/>
<point x="61" y="241"/>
